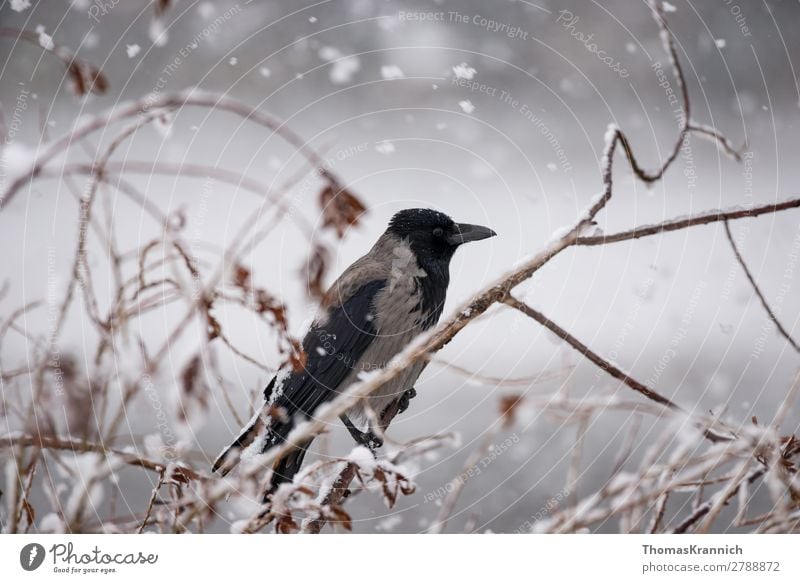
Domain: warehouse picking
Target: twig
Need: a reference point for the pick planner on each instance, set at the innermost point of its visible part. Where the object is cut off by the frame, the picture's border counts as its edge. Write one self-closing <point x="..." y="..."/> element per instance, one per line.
<point x="760" y="295"/>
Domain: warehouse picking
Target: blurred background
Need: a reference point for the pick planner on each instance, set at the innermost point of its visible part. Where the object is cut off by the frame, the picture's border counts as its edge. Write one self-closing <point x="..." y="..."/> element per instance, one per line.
<point x="493" y="112"/>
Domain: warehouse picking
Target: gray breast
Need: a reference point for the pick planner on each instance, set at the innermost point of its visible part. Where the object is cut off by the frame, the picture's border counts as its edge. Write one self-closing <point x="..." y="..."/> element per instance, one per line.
<point x="399" y="321"/>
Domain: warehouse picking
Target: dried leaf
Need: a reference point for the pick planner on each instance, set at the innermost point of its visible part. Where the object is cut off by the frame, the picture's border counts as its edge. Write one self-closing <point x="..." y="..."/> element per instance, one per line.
<point x="161" y="6"/>
<point x="86" y="78"/>
<point x="340" y="516"/>
<point x="316" y="268"/>
<point x="29" y="511"/>
<point x="508" y="407"/>
<point x="340" y="208"/>
<point x="241" y="277"/>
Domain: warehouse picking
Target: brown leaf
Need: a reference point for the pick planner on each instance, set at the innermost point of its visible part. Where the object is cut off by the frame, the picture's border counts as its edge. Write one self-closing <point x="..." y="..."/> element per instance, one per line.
<point x="342" y="517"/>
<point x="182" y="475"/>
<point x="193" y="387"/>
<point x="340" y="208"/>
<point x="29" y="511"/>
<point x="86" y="78"/>
<point x="316" y="268"/>
<point x="508" y="407"/>
<point x="286" y="524"/>
<point x="161" y="6"/>
<point x="241" y="276"/>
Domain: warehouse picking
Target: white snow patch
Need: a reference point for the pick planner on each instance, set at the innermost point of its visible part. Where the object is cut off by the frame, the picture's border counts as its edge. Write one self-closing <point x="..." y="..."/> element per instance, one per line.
<point x="51" y="523"/>
<point x="389" y="523"/>
<point x="20" y="5"/>
<point x="45" y="40"/>
<point x="385" y="147"/>
<point x="17" y="160"/>
<point x="392" y="72"/>
<point x="464" y="71"/>
<point x="206" y="10"/>
<point x="158" y="33"/>
<point x="132" y="50"/>
<point x="344" y="69"/>
<point x="363" y="458"/>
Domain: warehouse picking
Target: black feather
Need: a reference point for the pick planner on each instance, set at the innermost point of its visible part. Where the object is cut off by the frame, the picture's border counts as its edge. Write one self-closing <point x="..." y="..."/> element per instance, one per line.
<point x="334" y="348"/>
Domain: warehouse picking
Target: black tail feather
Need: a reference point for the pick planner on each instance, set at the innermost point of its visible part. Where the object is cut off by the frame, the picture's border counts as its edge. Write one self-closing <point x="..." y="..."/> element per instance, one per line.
<point x="285" y="469"/>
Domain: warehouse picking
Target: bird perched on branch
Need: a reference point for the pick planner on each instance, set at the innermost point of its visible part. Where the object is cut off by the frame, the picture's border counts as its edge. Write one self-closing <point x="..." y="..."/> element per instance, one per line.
<point x="371" y="312"/>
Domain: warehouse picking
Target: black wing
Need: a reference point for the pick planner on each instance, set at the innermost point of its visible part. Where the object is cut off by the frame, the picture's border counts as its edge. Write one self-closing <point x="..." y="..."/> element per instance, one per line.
<point x="333" y="350"/>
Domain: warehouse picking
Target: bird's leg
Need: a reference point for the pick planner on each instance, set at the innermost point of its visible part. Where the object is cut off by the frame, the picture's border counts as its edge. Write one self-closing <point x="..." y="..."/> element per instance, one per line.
<point x="405" y="400"/>
<point x="366" y="438"/>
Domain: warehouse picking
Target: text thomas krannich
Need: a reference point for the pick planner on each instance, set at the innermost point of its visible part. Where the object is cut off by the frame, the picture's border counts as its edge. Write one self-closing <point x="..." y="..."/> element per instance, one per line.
<point x="693" y="550"/>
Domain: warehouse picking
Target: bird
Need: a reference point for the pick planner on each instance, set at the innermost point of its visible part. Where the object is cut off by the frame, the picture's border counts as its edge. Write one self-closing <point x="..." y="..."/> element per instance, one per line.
<point x="375" y="308"/>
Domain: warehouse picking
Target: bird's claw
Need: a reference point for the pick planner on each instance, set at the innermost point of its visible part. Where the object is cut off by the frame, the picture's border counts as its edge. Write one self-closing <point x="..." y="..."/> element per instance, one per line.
<point x="405" y="400"/>
<point x="366" y="438"/>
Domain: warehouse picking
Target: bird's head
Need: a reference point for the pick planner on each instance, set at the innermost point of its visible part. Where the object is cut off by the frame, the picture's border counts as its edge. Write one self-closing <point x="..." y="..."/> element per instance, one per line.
<point x="433" y="236"/>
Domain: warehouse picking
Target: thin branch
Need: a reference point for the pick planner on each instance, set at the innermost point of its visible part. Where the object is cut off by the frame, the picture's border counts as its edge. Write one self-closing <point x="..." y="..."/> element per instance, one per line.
<point x="61" y="444"/>
<point x="704" y="218"/>
<point x="760" y="295"/>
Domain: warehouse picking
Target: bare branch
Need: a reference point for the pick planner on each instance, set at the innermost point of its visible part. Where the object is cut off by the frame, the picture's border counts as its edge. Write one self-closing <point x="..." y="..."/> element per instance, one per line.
<point x="760" y="295"/>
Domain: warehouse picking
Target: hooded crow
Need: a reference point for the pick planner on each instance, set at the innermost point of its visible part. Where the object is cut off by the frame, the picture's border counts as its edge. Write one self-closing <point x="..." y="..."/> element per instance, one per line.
<point x="371" y="312"/>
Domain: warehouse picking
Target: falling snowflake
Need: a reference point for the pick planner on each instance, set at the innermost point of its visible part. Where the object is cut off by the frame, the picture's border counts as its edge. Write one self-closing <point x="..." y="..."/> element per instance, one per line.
<point x="20" y="5"/>
<point x="391" y="72"/>
<point x="668" y="7"/>
<point x="720" y="42"/>
<point x="385" y="147"/>
<point x="45" y="39"/>
<point x="132" y="50"/>
<point x="233" y="61"/>
<point x="265" y="72"/>
<point x="464" y="71"/>
<point x="343" y="68"/>
<point x="466" y="106"/>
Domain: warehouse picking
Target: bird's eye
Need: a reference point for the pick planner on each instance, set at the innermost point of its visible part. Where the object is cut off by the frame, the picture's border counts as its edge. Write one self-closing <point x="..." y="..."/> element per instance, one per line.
<point x="438" y="232"/>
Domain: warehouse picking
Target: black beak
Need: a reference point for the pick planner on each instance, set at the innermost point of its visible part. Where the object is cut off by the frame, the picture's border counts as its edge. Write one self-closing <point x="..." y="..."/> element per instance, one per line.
<point x="465" y="233"/>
